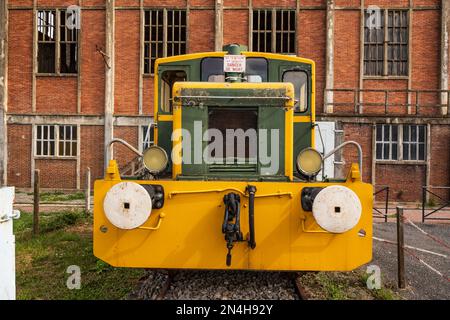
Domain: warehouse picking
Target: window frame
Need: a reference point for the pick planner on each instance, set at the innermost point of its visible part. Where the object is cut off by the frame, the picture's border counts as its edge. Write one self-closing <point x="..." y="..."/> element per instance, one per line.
<point x="56" y="140"/>
<point x="57" y="44"/>
<point x="165" y="41"/>
<point x="308" y="88"/>
<point x="273" y="30"/>
<point x="143" y="130"/>
<point x="386" y="43"/>
<point x="400" y="144"/>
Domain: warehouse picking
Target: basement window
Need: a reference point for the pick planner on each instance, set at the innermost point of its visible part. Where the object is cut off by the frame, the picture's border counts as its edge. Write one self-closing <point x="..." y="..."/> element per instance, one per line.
<point x="401" y="142"/>
<point x="164" y="35"/>
<point x="57" y="45"/>
<point x="386" y="34"/>
<point x="274" y="31"/>
<point x="56" y="141"/>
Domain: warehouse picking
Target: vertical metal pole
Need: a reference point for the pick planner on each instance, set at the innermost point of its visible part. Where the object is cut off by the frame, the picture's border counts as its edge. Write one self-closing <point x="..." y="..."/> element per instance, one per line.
<point x="36" y="202"/>
<point x="387" y="204"/>
<point x="400" y="249"/>
<point x="423" y="203"/>
<point x="87" y="195"/>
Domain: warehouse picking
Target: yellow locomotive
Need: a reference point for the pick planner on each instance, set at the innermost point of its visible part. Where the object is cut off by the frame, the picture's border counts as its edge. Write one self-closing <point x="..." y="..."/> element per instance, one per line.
<point x="232" y="180"/>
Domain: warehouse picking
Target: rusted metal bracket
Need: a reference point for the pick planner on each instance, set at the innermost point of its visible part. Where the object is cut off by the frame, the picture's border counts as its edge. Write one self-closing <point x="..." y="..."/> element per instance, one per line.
<point x="104" y="55"/>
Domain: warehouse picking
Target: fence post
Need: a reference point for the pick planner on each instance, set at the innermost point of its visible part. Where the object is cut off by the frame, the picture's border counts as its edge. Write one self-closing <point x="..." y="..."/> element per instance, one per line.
<point x="87" y="195"/>
<point x="387" y="205"/>
<point x="400" y="249"/>
<point x="423" y="203"/>
<point x="36" y="198"/>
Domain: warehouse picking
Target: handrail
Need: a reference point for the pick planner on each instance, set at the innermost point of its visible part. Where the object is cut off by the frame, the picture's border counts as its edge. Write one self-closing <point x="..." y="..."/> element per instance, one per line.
<point x="356" y="144"/>
<point x="126" y="144"/>
<point x="412" y="97"/>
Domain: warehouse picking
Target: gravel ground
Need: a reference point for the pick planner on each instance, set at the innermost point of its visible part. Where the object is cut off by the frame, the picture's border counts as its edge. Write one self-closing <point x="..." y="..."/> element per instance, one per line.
<point x="422" y="283"/>
<point x="219" y="285"/>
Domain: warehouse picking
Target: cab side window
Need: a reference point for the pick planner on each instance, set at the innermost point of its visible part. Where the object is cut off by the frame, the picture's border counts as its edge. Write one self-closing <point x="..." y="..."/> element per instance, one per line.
<point x="168" y="78"/>
<point x="300" y="81"/>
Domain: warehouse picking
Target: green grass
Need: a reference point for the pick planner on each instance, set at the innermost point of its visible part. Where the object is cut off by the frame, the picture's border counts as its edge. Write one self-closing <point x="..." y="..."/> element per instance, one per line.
<point x="335" y="290"/>
<point x="59" y="196"/>
<point x="384" y="293"/>
<point x="65" y="239"/>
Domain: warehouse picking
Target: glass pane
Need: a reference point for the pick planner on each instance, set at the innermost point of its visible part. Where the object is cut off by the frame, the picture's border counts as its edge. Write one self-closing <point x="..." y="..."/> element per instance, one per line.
<point x="379" y="132"/>
<point x="413" y="133"/>
<point x="39" y="132"/>
<point x="74" y="148"/>
<point x="405" y="133"/>
<point x="379" y="151"/>
<point x="413" y="151"/>
<point x="394" y="133"/>
<point x="68" y="57"/>
<point x="387" y="134"/>
<point x="421" y="151"/>
<point x="38" y="148"/>
<point x="300" y="81"/>
<point x="394" y="151"/>
<point x="46" y="57"/>
<point x="52" y="148"/>
<point x="74" y="133"/>
<point x="406" y="151"/>
<point x="61" y="148"/>
<point x="61" y="133"/>
<point x="386" y="151"/>
<point x="422" y="133"/>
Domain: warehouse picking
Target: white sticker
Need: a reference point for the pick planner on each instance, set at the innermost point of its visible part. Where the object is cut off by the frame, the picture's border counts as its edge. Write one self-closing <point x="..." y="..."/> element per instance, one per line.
<point x="234" y="63"/>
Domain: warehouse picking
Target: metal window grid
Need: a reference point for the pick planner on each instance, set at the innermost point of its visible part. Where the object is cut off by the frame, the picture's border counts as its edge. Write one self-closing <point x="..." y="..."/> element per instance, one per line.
<point x="386" y="47"/>
<point x="164" y="35"/>
<point x="56" y="140"/>
<point x="274" y="31"/>
<point x="387" y="142"/>
<point x="52" y="28"/>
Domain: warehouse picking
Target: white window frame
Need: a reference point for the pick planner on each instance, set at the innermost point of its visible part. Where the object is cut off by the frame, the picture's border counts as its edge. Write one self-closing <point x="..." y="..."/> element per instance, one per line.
<point x="145" y="140"/>
<point x="417" y="143"/>
<point x="401" y="143"/>
<point x="56" y="140"/>
<point x="389" y="142"/>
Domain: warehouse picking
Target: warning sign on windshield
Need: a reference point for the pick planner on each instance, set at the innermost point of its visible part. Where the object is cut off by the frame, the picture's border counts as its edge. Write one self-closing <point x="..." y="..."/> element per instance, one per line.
<point x="234" y="63"/>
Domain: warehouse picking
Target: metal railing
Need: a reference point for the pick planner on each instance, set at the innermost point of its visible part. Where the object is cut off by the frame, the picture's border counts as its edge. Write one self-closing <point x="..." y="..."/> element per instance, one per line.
<point x="426" y="190"/>
<point x="377" y="212"/>
<point x="414" y="104"/>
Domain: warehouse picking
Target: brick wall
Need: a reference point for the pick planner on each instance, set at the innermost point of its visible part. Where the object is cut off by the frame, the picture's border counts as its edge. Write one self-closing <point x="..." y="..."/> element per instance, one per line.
<point x="57" y="95"/>
<point x="58" y="173"/>
<point x="92" y="154"/>
<point x="19" y="155"/>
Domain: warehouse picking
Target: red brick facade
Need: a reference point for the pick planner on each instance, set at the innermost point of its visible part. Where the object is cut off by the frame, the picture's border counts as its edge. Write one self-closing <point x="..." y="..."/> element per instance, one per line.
<point x="58" y="95"/>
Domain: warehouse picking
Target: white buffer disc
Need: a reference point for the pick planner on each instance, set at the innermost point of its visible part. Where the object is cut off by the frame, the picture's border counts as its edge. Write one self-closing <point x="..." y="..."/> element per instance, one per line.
<point x="337" y="209"/>
<point x="127" y="205"/>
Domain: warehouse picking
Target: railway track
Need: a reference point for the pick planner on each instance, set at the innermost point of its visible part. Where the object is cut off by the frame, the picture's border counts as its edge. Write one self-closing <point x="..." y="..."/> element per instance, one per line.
<point x="221" y="285"/>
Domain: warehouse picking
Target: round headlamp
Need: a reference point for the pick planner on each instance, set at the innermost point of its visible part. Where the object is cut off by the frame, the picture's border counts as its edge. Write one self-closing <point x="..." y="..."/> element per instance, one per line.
<point x="309" y="162"/>
<point x="155" y="159"/>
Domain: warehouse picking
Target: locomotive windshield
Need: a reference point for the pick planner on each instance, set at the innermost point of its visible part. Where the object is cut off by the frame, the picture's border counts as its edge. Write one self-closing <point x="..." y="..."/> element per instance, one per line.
<point x="212" y="70"/>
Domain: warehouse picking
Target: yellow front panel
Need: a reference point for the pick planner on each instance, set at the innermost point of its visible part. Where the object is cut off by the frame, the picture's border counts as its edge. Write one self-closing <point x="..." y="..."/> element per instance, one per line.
<point x="190" y="234"/>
